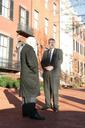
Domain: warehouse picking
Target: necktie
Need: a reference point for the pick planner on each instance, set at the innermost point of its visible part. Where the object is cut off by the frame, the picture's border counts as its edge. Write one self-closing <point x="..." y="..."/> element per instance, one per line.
<point x="49" y="55"/>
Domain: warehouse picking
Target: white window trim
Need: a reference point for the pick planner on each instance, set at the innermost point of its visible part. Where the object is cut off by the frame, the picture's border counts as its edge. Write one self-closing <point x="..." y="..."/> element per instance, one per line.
<point x="35" y="19"/>
<point x="54" y="9"/>
<point x="46" y="4"/>
<point x="46" y="26"/>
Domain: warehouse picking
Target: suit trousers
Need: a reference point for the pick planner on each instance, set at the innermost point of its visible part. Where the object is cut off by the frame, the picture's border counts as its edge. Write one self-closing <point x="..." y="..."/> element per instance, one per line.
<point x="51" y="87"/>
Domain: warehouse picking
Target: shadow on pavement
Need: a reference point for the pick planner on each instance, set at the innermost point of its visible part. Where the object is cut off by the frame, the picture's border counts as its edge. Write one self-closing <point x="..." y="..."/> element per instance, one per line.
<point x="80" y="89"/>
<point x="74" y="99"/>
<point x="12" y="118"/>
<point x="12" y="98"/>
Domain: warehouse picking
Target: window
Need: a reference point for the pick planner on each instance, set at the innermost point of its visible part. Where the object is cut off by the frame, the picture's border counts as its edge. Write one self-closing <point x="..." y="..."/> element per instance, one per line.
<point x="84" y="68"/>
<point x="36" y="19"/>
<point x="73" y="28"/>
<point x="84" y="35"/>
<point x="81" y="68"/>
<point x="77" y="29"/>
<point x="81" y="49"/>
<point x="54" y="9"/>
<point x="74" y="45"/>
<point x="77" y="47"/>
<point x="78" y="66"/>
<point x="81" y="34"/>
<point x="46" y="26"/>
<point x="6" y="49"/>
<point x="46" y="4"/>
<point x="54" y="31"/>
<point x="23" y="17"/>
<point x="6" y="8"/>
<point x="84" y="51"/>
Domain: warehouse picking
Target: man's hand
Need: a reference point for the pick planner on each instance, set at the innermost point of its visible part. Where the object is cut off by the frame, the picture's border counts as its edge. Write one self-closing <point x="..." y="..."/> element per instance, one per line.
<point x="49" y="68"/>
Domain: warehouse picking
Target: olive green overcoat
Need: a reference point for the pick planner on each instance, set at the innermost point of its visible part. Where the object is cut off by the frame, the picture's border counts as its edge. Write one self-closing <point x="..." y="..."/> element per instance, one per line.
<point x="29" y="79"/>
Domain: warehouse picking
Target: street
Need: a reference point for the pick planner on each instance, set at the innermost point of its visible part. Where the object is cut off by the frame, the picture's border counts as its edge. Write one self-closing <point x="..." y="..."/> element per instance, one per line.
<point x="71" y="110"/>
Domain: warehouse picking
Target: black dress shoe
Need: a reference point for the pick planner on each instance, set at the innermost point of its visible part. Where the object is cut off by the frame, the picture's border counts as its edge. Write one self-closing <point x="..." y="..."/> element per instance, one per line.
<point x="55" y="109"/>
<point x="45" y="107"/>
<point x="25" y="110"/>
<point x="36" y="116"/>
<point x="29" y="110"/>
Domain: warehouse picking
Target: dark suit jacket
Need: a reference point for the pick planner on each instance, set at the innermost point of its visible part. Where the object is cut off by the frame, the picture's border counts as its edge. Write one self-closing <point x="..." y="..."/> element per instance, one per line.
<point x="56" y="60"/>
<point x="45" y="59"/>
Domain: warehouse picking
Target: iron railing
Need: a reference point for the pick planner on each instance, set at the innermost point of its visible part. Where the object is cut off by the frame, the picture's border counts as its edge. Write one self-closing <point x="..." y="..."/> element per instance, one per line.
<point x="24" y="30"/>
<point x="6" y="65"/>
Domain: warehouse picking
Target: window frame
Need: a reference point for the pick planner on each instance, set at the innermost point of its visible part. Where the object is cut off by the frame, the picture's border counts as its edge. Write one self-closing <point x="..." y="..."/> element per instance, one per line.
<point x="36" y="20"/>
<point x="46" y="25"/>
<point x="54" y="9"/>
<point x="5" y="11"/>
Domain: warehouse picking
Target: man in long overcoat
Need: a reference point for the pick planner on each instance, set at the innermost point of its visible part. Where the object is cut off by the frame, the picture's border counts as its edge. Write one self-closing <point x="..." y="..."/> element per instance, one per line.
<point x="51" y="64"/>
<point x="29" y="81"/>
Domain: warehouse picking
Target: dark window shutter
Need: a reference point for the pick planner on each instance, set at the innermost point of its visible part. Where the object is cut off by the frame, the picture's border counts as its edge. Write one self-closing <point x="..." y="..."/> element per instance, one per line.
<point x="19" y="14"/>
<point x="11" y="9"/>
<point x="0" y="7"/>
<point x="10" y="49"/>
<point x="27" y="18"/>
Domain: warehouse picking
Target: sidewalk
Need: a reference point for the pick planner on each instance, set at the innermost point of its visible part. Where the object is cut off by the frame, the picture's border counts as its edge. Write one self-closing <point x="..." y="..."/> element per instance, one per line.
<point x="71" y="110"/>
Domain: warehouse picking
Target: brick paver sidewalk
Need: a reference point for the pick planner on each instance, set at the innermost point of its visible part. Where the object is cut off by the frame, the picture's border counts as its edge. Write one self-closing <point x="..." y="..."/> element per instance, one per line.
<point x="71" y="110"/>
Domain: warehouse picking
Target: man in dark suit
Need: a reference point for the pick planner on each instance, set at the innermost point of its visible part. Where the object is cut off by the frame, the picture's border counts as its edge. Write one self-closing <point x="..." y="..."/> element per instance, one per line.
<point x="51" y="64"/>
<point x="29" y="80"/>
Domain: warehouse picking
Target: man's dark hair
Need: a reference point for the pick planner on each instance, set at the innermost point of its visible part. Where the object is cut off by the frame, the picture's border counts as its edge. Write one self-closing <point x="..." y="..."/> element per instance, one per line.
<point x="50" y="40"/>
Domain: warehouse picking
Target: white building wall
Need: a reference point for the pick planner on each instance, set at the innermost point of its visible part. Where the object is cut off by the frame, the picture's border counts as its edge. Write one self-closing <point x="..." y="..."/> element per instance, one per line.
<point x="67" y="46"/>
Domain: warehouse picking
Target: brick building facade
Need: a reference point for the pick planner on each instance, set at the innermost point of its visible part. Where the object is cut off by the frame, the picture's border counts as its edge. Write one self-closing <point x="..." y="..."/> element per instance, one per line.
<point x="17" y="17"/>
<point x="78" y="59"/>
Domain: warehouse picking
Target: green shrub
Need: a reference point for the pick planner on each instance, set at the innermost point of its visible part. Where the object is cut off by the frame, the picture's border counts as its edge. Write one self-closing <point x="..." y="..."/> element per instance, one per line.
<point x="9" y="82"/>
<point x="77" y="85"/>
<point x="82" y="82"/>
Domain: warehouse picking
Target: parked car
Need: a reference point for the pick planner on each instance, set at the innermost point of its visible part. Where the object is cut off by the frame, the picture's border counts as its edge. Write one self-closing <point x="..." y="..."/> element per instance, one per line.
<point x="65" y="85"/>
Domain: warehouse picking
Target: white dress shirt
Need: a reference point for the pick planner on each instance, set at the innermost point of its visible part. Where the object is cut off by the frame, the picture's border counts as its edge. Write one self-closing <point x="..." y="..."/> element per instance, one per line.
<point x="50" y="68"/>
<point x="52" y="50"/>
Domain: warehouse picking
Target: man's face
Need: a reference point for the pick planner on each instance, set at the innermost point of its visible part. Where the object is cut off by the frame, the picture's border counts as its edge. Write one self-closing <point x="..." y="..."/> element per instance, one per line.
<point x="51" y="44"/>
<point x="20" y="39"/>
